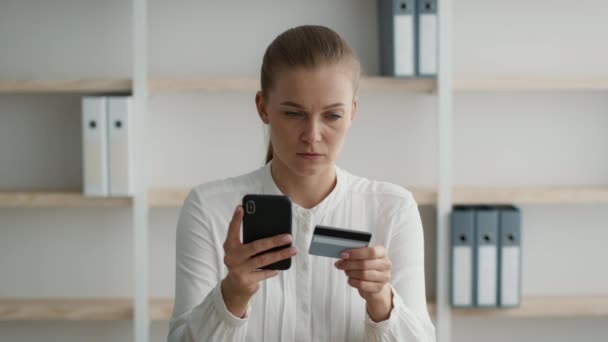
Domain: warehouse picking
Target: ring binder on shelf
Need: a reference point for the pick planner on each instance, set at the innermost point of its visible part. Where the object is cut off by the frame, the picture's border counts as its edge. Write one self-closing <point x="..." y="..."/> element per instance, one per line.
<point x="397" y="36"/>
<point x="486" y="256"/>
<point x="509" y="256"/>
<point x="94" y="146"/>
<point x="426" y="59"/>
<point x="461" y="273"/>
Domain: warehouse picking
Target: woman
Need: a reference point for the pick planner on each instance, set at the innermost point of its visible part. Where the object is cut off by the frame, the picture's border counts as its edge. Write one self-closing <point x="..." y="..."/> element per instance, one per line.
<point x="308" y="99"/>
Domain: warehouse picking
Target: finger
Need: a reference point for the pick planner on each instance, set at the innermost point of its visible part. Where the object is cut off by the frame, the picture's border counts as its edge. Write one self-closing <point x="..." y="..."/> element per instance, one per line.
<point x="261" y="275"/>
<point x="369" y="275"/>
<point x="270" y="258"/>
<point x="261" y="245"/>
<point x="366" y="286"/>
<point x="375" y="252"/>
<point x="370" y="264"/>
<point x="233" y="237"/>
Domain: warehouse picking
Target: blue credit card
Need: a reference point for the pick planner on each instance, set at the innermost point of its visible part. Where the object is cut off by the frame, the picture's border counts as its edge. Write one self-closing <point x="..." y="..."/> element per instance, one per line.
<point x="330" y="241"/>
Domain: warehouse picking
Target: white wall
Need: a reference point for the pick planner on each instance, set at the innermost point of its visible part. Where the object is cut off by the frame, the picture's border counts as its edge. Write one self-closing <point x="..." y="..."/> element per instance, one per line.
<point x="65" y="39"/>
<point x="515" y="138"/>
<point x="556" y="38"/>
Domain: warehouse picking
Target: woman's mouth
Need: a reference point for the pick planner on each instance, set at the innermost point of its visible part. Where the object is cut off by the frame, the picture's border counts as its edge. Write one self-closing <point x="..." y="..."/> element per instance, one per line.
<point x="310" y="155"/>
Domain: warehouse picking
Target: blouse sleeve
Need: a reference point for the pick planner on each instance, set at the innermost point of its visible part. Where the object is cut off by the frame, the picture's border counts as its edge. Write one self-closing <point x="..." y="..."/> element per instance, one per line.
<point x="409" y="319"/>
<point x="199" y="313"/>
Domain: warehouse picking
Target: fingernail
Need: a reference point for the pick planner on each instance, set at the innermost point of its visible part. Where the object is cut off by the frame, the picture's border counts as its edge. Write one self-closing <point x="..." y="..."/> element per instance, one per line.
<point x="337" y="264"/>
<point x="286" y="238"/>
<point x="344" y="255"/>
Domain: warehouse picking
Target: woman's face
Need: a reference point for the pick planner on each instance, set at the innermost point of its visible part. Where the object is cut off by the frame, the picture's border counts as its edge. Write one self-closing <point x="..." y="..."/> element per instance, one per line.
<point x="309" y="112"/>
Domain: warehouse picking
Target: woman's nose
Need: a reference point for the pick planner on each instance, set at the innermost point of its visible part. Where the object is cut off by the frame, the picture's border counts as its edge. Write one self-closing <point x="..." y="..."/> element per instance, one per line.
<point x="312" y="131"/>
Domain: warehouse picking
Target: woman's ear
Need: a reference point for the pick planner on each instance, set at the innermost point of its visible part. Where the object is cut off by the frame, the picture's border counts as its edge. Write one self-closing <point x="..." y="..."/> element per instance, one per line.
<point x="261" y="106"/>
<point x="354" y="109"/>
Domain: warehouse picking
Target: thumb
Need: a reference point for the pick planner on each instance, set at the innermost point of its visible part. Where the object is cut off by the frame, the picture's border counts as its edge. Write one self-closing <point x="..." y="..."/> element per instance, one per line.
<point x="234" y="229"/>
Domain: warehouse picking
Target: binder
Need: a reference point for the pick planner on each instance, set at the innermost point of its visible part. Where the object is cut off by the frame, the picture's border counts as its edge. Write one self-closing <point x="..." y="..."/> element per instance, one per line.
<point x="120" y="133"/>
<point x="94" y="146"/>
<point x="461" y="269"/>
<point x="397" y="37"/>
<point x="509" y="257"/>
<point x="486" y="256"/>
<point x="426" y="60"/>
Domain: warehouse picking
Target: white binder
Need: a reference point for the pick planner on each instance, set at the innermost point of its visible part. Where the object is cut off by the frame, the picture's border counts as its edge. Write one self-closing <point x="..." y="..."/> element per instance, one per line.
<point x="509" y="290"/>
<point x="397" y="37"/>
<point x="461" y="273"/>
<point x="120" y="122"/>
<point x="486" y="255"/>
<point x="427" y="38"/>
<point x="94" y="146"/>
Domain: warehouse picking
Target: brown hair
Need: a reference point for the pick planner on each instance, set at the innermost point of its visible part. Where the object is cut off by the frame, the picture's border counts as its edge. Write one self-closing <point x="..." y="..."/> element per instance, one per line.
<point x="307" y="46"/>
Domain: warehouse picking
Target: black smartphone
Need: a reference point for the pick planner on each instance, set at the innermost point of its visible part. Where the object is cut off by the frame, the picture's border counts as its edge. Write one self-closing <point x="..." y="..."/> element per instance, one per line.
<point x="266" y="216"/>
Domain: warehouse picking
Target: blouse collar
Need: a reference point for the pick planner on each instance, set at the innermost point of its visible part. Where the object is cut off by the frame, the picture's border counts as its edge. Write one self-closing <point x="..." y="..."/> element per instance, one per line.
<point x="326" y="205"/>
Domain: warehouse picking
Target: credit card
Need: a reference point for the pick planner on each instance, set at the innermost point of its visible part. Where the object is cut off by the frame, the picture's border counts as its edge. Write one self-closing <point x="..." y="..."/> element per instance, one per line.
<point x="330" y="241"/>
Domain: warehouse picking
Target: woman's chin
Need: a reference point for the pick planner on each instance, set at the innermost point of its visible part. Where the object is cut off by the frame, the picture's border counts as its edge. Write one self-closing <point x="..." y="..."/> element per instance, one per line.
<point x="307" y="168"/>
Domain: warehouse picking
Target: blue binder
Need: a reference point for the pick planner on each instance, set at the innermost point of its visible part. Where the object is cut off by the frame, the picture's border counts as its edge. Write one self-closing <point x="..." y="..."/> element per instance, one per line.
<point x="486" y="256"/>
<point x="461" y="256"/>
<point x="509" y="256"/>
<point x="427" y="38"/>
<point x="397" y="19"/>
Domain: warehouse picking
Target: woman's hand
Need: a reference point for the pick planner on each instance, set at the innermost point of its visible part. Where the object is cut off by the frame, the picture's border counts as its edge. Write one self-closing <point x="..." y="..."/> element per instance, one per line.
<point x="244" y="277"/>
<point x="369" y="271"/>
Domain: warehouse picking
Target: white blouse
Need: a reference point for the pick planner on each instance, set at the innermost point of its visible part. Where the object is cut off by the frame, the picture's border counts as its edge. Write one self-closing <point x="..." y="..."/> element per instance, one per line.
<point x="311" y="301"/>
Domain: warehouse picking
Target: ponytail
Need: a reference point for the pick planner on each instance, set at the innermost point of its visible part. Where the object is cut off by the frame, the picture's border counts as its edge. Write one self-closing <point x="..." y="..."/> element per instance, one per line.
<point x="269" y="154"/>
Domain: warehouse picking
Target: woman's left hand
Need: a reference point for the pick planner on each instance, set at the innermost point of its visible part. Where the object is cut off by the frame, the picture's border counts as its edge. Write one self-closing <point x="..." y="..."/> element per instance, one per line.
<point x="369" y="271"/>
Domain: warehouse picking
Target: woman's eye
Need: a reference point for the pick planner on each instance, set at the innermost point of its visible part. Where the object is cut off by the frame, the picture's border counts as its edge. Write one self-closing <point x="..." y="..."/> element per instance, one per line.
<point x="334" y="116"/>
<point x="293" y="114"/>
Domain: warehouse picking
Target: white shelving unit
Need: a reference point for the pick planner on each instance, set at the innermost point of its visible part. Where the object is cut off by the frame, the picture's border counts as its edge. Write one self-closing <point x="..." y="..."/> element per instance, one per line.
<point x="141" y="305"/>
<point x="443" y="317"/>
<point x="142" y="308"/>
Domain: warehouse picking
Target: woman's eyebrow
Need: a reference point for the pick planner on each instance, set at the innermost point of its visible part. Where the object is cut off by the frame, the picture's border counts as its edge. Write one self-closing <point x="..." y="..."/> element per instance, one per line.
<point x="337" y="104"/>
<point x="293" y="104"/>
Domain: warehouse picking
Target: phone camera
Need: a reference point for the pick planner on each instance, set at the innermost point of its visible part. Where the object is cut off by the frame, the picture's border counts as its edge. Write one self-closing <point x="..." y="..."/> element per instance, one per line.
<point x="250" y="207"/>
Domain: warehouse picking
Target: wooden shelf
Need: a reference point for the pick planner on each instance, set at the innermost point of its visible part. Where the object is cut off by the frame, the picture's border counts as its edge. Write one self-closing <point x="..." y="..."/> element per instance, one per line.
<point x="58" y="200"/>
<point x="375" y="83"/>
<point x="414" y="85"/>
<point x="162" y="308"/>
<point x="531" y="195"/>
<point x="570" y="306"/>
<point x="65" y="309"/>
<point x="417" y="85"/>
<point x="64" y="86"/>
<point x="167" y="198"/>
<point x="424" y="196"/>
<point x="378" y="83"/>
<point x="530" y="84"/>
<point x="174" y="198"/>
<point x="203" y="85"/>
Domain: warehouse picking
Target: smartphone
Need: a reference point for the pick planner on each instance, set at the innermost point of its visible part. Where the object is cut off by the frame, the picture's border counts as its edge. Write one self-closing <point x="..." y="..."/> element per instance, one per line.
<point x="266" y="216"/>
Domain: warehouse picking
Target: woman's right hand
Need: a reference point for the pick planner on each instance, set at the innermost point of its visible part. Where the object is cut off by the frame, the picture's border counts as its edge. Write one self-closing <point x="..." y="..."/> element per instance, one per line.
<point x="244" y="274"/>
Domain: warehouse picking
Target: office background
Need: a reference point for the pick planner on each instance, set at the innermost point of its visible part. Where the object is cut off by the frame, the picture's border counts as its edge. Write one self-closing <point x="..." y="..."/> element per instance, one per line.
<point x="514" y="133"/>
